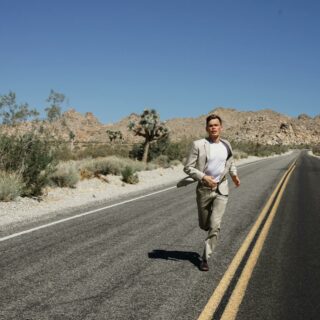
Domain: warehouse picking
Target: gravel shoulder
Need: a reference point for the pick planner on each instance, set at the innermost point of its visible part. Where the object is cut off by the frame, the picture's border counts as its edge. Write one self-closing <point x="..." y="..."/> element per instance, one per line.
<point x="90" y="193"/>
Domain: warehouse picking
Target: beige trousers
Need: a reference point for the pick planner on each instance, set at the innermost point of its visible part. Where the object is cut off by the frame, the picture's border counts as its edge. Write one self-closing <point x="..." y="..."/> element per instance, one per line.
<point x="211" y="207"/>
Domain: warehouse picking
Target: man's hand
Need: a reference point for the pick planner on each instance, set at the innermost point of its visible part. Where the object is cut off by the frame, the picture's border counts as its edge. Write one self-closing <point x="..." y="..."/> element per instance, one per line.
<point x="236" y="180"/>
<point x="209" y="181"/>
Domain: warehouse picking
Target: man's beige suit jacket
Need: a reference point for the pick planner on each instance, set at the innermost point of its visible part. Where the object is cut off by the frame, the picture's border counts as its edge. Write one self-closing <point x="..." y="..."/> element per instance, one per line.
<point x="197" y="162"/>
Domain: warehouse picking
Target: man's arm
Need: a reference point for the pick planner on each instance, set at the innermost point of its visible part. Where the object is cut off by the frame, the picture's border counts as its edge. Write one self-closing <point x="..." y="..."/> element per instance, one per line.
<point x="233" y="170"/>
<point x="190" y="166"/>
<point x="236" y="180"/>
<point x="234" y="174"/>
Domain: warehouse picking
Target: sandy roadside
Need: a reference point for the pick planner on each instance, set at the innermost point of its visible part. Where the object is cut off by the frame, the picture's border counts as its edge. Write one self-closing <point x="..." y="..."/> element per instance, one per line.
<point x="90" y="192"/>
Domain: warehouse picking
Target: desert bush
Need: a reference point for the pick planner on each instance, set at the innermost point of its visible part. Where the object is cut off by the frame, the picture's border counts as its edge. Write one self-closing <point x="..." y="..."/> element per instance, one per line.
<point x="63" y="152"/>
<point x="156" y="149"/>
<point x="103" y="166"/>
<point x="151" y="166"/>
<point x="109" y="165"/>
<point x="11" y="186"/>
<point x="162" y="161"/>
<point x="92" y="151"/>
<point x="136" y="165"/>
<point x="257" y="149"/>
<point x="137" y="152"/>
<point x="31" y="156"/>
<point x="316" y="150"/>
<point x="178" y="150"/>
<point x="85" y="174"/>
<point x="238" y="154"/>
<point x="173" y="150"/>
<point x="103" y="150"/>
<point x="12" y="113"/>
<point x="129" y="175"/>
<point x="66" y="175"/>
<point x="175" y="162"/>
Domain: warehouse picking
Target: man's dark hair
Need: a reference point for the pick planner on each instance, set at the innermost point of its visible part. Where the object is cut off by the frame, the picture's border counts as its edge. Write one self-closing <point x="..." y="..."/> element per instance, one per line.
<point x="211" y="117"/>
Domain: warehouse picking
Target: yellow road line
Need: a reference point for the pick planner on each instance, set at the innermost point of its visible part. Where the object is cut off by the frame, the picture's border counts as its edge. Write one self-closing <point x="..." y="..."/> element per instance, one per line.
<point x="219" y="292"/>
<point x="235" y="300"/>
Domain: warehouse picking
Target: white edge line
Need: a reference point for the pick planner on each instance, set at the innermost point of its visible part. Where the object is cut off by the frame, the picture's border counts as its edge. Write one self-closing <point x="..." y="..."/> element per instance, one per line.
<point x="14" y="235"/>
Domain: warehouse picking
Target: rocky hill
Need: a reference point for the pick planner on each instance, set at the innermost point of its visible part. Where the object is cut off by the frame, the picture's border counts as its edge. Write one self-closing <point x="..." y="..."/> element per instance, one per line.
<point x="265" y="127"/>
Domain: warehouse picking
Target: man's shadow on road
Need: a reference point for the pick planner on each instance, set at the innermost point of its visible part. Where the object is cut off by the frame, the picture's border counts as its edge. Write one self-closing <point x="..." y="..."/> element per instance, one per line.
<point x="193" y="257"/>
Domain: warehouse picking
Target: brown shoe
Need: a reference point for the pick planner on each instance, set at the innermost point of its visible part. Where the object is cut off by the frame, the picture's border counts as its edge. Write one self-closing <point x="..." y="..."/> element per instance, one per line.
<point x="204" y="265"/>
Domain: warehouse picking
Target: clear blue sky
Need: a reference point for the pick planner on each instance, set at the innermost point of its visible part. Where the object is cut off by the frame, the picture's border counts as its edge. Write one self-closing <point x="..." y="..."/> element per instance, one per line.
<point x="181" y="57"/>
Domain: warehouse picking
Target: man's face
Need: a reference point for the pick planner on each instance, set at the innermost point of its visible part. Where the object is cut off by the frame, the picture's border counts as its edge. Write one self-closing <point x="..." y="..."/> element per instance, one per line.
<point x="214" y="128"/>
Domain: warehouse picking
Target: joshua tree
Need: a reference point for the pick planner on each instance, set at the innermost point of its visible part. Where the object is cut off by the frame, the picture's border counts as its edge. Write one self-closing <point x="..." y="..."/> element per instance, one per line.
<point x="149" y="127"/>
<point x="114" y="135"/>
<point x="12" y="113"/>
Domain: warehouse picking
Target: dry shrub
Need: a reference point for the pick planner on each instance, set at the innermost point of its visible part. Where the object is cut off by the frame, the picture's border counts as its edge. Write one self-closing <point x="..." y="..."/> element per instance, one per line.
<point x="86" y="174"/>
<point x="175" y="162"/>
<point x="238" y="154"/>
<point x="66" y="175"/>
<point x="162" y="161"/>
<point x="31" y="156"/>
<point x="109" y="165"/>
<point x="129" y="175"/>
<point x="11" y="186"/>
<point x="316" y="150"/>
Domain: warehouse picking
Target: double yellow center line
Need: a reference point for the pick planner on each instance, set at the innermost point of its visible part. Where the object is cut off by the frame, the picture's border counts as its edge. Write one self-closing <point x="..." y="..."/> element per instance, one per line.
<point x="227" y="297"/>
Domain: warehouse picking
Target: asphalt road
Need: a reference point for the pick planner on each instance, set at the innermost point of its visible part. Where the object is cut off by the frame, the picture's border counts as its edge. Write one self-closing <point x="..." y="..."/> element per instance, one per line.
<point x="139" y="260"/>
<point x="286" y="281"/>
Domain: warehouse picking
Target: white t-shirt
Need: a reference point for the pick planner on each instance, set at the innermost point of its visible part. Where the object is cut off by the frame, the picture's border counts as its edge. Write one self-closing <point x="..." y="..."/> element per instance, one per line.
<point x="216" y="160"/>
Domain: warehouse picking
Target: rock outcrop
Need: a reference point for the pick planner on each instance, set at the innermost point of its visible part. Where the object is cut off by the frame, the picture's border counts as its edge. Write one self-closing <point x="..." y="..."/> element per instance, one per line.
<point x="264" y="127"/>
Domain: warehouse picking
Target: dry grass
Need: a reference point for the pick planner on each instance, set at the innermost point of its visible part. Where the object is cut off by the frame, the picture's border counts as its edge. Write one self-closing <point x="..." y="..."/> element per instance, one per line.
<point x="108" y="165"/>
<point x="11" y="186"/>
<point x="66" y="175"/>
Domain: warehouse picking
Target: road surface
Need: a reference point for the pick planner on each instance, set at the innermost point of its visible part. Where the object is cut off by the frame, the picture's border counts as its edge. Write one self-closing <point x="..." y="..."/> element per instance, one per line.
<point x="139" y="260"/>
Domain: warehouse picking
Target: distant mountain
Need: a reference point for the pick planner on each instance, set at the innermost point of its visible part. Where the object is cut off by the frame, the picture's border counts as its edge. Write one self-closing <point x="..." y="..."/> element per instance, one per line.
<point x="265" y="127"/>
